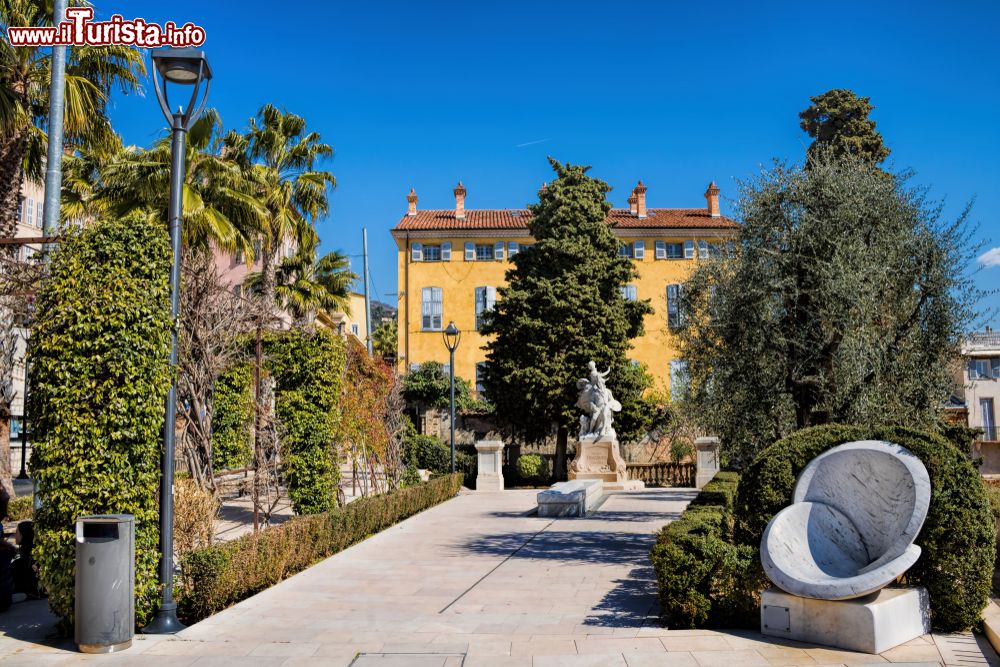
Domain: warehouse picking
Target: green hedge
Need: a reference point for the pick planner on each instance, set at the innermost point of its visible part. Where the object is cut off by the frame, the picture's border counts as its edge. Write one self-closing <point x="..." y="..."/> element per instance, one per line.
<point x="700" y="574"/>
<point x="20" y="508"/>
<point x="232" y="421"/>
<point x="99" y="373"/>
<point x="308" y="369"/>
<point x="216" y="577"/>
<point x="533" y="468"/>
<point x="429" y="453"/>
<point x="957" y="539"/>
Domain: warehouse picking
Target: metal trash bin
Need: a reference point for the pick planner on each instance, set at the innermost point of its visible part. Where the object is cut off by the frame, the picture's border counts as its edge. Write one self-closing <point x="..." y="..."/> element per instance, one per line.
<point x="105" y="582"/>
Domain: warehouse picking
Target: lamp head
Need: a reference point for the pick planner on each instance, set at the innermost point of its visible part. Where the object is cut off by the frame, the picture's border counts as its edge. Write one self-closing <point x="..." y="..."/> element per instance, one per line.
<point x="451" y="336"/>
<point x="182" y="66"/>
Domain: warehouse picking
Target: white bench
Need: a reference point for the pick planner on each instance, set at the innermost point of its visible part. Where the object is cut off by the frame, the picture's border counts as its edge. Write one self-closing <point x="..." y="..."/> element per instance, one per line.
<point x="569" y="499"/>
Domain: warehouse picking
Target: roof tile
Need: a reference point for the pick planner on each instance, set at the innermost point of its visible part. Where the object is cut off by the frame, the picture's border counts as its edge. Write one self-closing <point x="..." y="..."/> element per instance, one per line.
<point x="507" y="218"/>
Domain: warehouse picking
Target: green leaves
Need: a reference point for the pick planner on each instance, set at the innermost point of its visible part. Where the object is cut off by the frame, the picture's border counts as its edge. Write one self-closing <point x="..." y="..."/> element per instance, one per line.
<point x="99" y="374"/>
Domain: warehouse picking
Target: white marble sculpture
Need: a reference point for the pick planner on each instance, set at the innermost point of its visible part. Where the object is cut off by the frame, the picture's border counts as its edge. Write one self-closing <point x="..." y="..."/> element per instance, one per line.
<point x="597" y="403"/>
<point x="849" y="531"/>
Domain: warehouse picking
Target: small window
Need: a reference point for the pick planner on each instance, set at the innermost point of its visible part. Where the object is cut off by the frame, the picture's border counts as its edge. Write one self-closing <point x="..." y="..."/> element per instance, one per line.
<point x="675" y="251"/>
<point x="356" y="330"/>
<point x="431" y="308"/>
<point x="984" y="369"/>
<point x="484" y="252"/>
<point x="626" y="250"/>
<point x="629" y="292"/>
<point x="675" y="313"/>
<point x="432" y="253"/>
<point x="481" y="378"/>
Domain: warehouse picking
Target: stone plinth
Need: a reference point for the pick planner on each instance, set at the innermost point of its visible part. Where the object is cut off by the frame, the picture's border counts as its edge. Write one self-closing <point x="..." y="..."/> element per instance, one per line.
<point x="707" y="461"/>
<point x="490" y="462"/>
<point x="872" y="624"/>
<point x="599" y="458"/>
<point x="570" y="499"/>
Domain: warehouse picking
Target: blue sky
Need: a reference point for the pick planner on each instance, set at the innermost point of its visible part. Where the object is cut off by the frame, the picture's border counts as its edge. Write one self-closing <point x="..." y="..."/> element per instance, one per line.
<point x="424" y="94"/>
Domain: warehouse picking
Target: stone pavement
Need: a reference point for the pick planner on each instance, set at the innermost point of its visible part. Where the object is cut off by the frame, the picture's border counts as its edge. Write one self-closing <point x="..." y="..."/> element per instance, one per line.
<point x="476" y="582"/>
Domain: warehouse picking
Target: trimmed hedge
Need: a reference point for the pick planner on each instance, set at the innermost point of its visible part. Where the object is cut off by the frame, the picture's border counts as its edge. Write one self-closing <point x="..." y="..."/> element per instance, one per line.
<point x="957" y="539"/>
<point x="99" y="373"/>
<point x="700" y="574"/>
<point x="429" y="452"/>
<point x="216" y="577"/>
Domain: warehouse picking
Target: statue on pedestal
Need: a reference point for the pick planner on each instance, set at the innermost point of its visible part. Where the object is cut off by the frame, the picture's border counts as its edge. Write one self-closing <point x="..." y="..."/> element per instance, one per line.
<point x="597" y="403"/>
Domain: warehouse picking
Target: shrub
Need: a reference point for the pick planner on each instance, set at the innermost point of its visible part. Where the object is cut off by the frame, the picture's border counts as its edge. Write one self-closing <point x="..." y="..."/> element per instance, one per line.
<point x="430" y="453"/>
<point x="533" y="468"/>
<point x="307" y="366"/>
<point x="958" y="536"/>
<point x="99" y="372"/>
<point x="20" y="508"/>
<point x="700" y="574"/>
<point x="221" y="575"/>
<point x="232" y="423"/>
<point x="195" y="510"/>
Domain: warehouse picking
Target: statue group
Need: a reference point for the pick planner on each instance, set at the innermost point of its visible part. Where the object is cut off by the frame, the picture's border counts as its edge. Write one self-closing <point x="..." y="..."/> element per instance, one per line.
<point x="597" y="403"/>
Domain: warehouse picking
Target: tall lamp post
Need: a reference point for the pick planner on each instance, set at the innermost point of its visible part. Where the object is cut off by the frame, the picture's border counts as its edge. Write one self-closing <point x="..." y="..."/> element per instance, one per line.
<point x="451" y="338"/>
<point x="187" y="67"/>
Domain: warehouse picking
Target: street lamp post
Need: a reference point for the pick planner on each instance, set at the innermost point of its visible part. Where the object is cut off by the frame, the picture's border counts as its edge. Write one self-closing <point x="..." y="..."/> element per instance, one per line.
<point x="185" y="67"/>
<point x="451" y="338"/>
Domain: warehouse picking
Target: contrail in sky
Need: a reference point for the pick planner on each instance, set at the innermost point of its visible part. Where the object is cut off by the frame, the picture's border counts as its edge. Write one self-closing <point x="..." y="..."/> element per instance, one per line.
<point x="532" y="143"/>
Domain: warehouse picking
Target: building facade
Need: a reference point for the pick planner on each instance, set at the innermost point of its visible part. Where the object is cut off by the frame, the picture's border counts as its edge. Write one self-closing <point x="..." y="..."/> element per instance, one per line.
<point x="451" y="262"/>
<point x="347" y="323"/>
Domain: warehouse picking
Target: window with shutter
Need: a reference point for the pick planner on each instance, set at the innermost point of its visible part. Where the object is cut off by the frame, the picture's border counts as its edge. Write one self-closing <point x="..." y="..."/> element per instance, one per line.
<point x="661" y="250"/>
<point x="446" y="251"/>
<point x="626" y="250"/>
<point x="432" y="253"/>
<point x="675" y="251"/>
<point x="486" y="298"/>
<point x="470" y="251"/>
<point x="639" y="251"/>
<point x="417" y="252"/>
<point x="675" y="314"/>
<point x="689" y="249"/>
<point x="982" y="369"/>
<point x="703" y="249"/>
<point x="484" y="252"/>
<point x="498" y="251"/>
<point x="628" y="292"/>
<point x="431" y="308"/>
<point x="512" y="249"/>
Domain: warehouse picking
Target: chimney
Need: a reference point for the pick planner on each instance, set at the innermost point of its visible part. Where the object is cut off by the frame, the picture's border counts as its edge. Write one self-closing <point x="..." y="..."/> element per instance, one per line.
<point x="411" y="202"/>
<point x="712" y="197"/>
<point x="640" y="200"/>
<point x="460" y="193"/>
<point x="631" y="202"/>
<point x="544" y="188"/>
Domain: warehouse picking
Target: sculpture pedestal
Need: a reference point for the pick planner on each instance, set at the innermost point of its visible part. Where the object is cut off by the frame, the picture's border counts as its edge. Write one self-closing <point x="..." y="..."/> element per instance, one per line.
<point x="871" y="624"/>
<point x="707" y="461"/>
<point x="600" y="458"/>
<point x="490" y="460"/>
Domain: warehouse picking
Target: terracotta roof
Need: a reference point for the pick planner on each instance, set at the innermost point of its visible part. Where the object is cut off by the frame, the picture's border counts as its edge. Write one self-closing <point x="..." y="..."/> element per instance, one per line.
<point x="657" y="218"/>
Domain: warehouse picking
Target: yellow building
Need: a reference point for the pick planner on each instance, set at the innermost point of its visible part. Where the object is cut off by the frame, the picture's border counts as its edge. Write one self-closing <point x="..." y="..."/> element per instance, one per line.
<point x="345" y="323"/>
<point x="452" y="261"/>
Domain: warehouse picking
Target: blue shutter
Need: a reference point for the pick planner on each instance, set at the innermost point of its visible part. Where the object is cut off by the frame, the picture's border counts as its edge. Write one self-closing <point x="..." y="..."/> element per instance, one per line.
<point x="996" y="368"/>
<point x="689" y="249"/>
<point x="446" y="251"/>
<point x="512" y="249"/>
<point x="417" y="253"/>
<point x="661" y="249"/>
<point x="491" y="297"/>
<point x="498" y="251"/>
<point x="639" y="250"/>
<point x="703" y="249"/>
<point x="470" y="251"/>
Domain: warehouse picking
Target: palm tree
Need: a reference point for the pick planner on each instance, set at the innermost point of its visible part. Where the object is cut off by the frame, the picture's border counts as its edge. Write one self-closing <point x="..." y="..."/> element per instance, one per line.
<point x="25" y="72"/>
<point x="220" y="205"/>
<point x="293" y="191"/>
<point x="305" y="283"/>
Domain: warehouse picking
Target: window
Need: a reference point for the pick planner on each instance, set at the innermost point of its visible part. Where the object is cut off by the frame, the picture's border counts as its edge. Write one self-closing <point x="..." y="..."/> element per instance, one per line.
<point x="984" y="369"/>
<point x="703" y="249"/>
<point x="39" y="212"/>
<point x="480" y="378"/>
<point x="432" y="253"/>
<point x="512" y="248"/>
<point x="678" y="379"/>
<point x="30" y="210"/>
<point x="484" y="252"/>
<point x="431" y="308"/>
<point x="666" y="250"/>
<point x="675" y="314"/>
<point x="356" y="330"/>
<point x="486" y="298"/>
<point x="626" y="250"/>
<point x="629" y="292"/>
<point x="989" y="419"/>
<point x="689" y="250"/>
<point x="20" y="211"/>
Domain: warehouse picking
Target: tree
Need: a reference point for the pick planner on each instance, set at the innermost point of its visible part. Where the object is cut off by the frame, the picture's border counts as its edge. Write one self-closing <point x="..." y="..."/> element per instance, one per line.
<point x="25" y="72"/>
<point x="385" y="340"/>
<point x="838" y="121"/>
<point x="305" y="283"/>
<point x="429" y="386"/>
<point x="844" y="303"/>
<point x="293" y="191"/>
<point x="562" y="307"/>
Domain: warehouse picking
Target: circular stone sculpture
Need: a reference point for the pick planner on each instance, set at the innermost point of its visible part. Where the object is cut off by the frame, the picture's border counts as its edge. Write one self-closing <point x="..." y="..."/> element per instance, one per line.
<point x="849" y="531"/>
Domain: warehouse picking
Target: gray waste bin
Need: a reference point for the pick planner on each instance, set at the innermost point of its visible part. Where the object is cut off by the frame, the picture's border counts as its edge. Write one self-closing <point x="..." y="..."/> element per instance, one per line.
<point x="105" y="582"/>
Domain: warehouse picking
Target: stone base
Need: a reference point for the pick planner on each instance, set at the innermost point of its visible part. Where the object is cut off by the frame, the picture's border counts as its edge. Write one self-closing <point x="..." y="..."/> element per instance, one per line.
<point x="871" y="624"/>
<point x="598" y="458"/>
<point x="627" y="485"/>
<point x="570" y="499"/>
<point x="489" y="459"/>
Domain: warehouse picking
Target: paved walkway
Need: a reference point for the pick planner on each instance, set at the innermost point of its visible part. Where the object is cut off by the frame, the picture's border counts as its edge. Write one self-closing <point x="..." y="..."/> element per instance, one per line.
<point x="475" y="582"/>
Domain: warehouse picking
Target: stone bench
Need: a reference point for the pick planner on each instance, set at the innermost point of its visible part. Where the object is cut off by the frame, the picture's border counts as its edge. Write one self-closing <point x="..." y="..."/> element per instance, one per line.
<point x="569" y="499"/>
